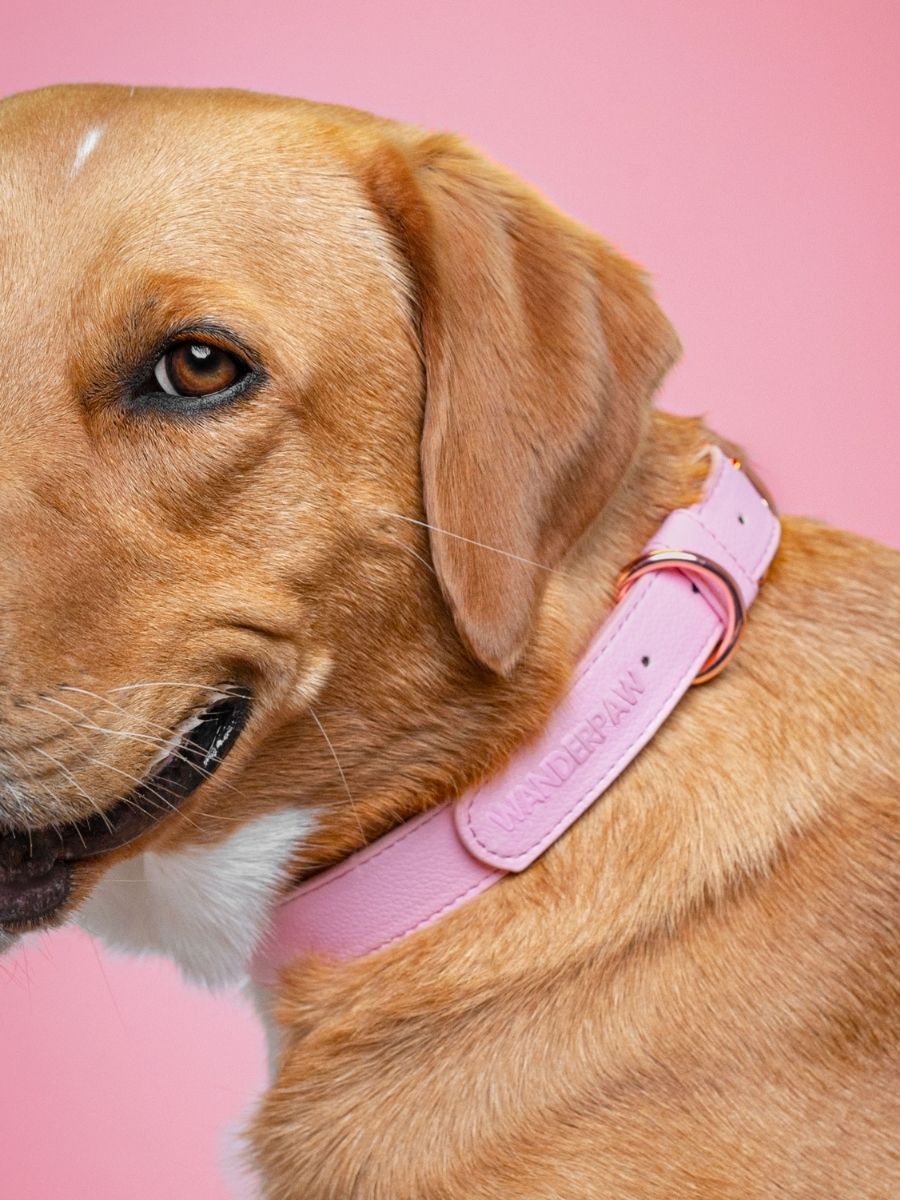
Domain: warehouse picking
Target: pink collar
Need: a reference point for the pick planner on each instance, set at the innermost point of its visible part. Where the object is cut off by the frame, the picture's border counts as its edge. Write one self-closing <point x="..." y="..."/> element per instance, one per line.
<point x="677" y="622"/>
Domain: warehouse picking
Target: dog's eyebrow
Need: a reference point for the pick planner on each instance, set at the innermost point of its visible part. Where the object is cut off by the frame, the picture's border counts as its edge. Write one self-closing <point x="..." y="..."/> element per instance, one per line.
<point x="168" y="306"/>
<point x="157" y="309"/>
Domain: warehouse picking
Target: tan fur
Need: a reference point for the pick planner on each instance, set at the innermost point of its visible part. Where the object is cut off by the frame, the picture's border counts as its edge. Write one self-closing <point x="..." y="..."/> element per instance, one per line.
<point x="695" y="992"/>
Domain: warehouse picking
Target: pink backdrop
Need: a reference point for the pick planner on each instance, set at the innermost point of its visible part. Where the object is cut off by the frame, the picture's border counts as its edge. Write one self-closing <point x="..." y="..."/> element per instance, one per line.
<point x="746" y="154"/>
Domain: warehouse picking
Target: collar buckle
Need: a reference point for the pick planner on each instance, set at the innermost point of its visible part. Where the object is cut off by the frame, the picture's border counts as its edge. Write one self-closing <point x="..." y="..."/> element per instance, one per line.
<point x="714" y="575"/>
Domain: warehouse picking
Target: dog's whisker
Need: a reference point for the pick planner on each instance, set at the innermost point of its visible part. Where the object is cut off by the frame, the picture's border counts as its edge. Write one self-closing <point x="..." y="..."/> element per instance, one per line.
<point x="163" y="742"/>
<point x="403" y="546"/>
<point x="91" y="800"/>
<point x="47" y="712"/>
<point x="163" y="801"/>
<point x="148" y="788"/>
<point x="132" y="735"/>
<point x="86" y="724"/>
<point x="112" y="705"/>
<point x="79" y="726"/>
<point x="330" y="745"/>
<point x="30" y="780"/>
<point x="130" y="687"/>
<point x="28" y="744"/>
<point x="130" y="802"/>
<point x="528" y="562"/>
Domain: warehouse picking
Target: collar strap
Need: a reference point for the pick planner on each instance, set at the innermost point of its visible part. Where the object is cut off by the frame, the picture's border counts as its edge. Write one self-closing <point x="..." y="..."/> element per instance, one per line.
<point x="677" y="621"/>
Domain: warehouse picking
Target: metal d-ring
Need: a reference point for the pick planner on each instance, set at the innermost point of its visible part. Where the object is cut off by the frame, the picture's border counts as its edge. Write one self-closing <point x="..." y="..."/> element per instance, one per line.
<point x="726" y="588"/>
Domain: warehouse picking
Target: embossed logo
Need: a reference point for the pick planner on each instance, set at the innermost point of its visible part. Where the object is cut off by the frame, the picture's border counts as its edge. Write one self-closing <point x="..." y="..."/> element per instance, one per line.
<point x="570" y="752"/>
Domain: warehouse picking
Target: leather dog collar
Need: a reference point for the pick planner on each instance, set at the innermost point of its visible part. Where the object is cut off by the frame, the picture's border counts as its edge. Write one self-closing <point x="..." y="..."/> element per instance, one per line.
<point x="677" y="621"/>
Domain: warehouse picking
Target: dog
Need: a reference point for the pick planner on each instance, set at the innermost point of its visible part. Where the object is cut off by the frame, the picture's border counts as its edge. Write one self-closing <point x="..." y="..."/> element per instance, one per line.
<point x="325" y="440"/>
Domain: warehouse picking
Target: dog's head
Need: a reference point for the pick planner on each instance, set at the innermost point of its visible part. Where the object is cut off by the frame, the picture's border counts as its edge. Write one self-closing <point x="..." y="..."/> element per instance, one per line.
<point x="273" y="374"/>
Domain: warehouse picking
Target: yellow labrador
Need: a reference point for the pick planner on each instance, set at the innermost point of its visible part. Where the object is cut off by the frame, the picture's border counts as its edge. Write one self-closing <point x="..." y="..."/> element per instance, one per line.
<point x="257" y="354"/>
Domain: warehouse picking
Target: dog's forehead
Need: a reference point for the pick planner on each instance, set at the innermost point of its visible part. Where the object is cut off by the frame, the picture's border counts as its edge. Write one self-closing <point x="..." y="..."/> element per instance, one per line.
<point x="56" y="130"/>
<point x="178" y="178"/>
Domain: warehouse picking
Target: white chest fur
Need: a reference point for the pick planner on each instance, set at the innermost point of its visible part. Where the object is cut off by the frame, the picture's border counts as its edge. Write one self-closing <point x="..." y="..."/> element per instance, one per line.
<point x="204" y="907"/>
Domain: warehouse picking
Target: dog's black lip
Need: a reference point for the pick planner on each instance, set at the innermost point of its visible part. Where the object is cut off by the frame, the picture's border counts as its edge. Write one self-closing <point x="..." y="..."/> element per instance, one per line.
<point x="166" y="788"/>
<point x="22" y="903"/>
<point x="35" y="866"/>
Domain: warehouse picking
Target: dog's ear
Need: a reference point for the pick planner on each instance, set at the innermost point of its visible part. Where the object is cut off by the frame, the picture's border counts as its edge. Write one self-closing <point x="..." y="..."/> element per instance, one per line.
<point x="542" y="347"/>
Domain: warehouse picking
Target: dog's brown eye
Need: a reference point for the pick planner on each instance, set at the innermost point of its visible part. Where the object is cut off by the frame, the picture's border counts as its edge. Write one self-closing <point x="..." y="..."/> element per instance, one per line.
<point x="197" y="369"/>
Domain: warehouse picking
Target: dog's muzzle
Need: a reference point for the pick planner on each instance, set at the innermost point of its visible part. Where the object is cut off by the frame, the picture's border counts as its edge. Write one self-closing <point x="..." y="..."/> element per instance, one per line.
<point x="36" y="865"/>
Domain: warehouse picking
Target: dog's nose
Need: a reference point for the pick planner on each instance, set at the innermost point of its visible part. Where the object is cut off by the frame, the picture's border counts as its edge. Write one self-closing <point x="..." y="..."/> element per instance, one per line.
<point x="27" y="856"/>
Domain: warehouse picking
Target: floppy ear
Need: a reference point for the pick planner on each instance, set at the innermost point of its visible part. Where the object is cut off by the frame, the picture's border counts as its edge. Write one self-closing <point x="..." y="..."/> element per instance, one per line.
<point x="542" y="347"/>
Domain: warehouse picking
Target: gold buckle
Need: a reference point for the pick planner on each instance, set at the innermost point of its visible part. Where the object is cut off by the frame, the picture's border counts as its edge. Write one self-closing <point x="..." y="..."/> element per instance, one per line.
<point x="711" y="572"/>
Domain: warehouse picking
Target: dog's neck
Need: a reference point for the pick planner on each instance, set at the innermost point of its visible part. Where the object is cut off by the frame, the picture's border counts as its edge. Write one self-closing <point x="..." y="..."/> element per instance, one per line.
<point x="403" y="744"/>
<point x="671" y="842"/>
<point x="413" y="726"/>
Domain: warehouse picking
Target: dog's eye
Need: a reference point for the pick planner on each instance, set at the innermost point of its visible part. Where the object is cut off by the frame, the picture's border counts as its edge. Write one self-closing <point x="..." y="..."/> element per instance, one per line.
<point x="198" y="369"/>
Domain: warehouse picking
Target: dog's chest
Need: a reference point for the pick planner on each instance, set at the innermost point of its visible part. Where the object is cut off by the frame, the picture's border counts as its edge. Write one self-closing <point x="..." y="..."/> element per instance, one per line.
<point x="205" y="907"/>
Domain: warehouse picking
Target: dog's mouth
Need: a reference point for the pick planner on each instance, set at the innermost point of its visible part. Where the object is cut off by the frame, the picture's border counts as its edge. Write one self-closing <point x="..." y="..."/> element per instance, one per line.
<point x="36" y="865"/>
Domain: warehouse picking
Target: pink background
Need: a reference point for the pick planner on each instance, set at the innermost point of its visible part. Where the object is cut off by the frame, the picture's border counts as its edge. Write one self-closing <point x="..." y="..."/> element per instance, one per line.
<point x="747" y="154"/>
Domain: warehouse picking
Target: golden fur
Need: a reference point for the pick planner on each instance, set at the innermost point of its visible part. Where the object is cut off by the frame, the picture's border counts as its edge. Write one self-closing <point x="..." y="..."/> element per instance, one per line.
<point x="695" y="992"/>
